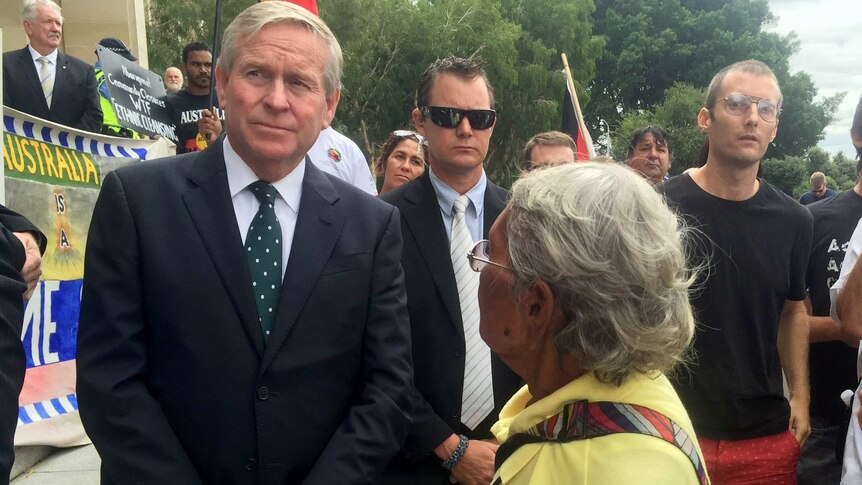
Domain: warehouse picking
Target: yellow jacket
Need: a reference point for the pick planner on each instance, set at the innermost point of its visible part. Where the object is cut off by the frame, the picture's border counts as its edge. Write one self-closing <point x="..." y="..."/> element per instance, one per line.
<point x="616" y="459"/>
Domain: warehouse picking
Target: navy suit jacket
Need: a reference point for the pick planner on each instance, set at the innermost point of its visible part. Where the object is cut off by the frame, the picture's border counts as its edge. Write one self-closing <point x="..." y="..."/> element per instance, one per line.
<point x="75" y="99"/>
<point x="12" y="359"/>
<point x="175" y="382"/>
<point x="438" y="333"/>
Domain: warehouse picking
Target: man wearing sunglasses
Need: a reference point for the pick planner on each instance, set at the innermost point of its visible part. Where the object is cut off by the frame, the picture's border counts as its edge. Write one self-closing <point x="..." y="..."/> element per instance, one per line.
<point x="752" y="253"/>
<point x="460" y="385"/>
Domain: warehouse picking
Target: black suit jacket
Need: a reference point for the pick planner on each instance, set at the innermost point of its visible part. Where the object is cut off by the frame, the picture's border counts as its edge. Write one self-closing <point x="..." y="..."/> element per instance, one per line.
<point x="75" y="99"/>
<point x="437" y="332"/>
<point x="175" y="382"/>
<point x="12" y="360"/>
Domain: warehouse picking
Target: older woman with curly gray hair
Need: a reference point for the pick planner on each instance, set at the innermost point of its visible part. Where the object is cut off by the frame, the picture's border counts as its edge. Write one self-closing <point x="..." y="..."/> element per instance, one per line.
<point x="584" y="293"/>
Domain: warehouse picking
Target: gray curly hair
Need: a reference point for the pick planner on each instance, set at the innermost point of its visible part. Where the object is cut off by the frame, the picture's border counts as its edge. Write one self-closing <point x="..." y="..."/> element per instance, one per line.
<point x="613" y="254"/>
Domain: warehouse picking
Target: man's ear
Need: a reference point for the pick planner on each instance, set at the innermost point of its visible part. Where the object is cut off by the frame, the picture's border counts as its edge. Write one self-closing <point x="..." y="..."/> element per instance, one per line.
<point x="856" y="138"/>
<point x="704" y="120"/>
<point x="418" y="121"/>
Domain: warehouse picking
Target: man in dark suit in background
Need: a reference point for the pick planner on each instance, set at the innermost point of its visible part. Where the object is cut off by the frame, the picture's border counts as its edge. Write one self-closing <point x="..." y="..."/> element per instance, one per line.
<point x="20" y="261"/>
<point x="201" y="357"/>
<point x="461" y="385"/>
<point x="42" y="81"/>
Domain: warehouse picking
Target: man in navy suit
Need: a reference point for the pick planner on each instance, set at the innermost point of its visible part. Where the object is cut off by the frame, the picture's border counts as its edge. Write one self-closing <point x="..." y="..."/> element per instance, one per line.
<point x="42" y="81"/>
<point x="454" y="112"/>
<point x="243" y="318"/>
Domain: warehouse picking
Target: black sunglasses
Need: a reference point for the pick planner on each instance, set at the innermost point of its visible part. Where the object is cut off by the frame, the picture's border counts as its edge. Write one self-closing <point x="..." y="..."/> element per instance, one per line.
<point x="480" y="119"/>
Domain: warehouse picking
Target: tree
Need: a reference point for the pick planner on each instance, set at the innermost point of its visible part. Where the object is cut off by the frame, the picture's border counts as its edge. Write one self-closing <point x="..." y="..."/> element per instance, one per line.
<point x="172" y="24"/>
<point x="652" y="44"/>
<point x="388" y="43"/>
<point x="788" y="174"/>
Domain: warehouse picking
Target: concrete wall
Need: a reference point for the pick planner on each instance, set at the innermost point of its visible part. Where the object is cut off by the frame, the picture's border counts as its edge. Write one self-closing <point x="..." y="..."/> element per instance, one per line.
<point x="85" y="23"/>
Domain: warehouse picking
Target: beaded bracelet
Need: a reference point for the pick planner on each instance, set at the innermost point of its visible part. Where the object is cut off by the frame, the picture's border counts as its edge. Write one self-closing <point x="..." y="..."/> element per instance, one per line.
<point x="456" y="455"/>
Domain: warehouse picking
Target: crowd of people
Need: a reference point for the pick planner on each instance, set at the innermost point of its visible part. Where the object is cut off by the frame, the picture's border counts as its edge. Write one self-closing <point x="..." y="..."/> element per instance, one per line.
<point x="599" y="323"/>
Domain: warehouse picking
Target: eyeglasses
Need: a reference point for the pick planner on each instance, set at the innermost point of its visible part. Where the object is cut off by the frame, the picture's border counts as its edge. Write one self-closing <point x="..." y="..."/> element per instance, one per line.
<point x="411" y="134"/>
<point x="738" y="104"/>
<point x="480" y="119"/>
<point x="479" y="258"/>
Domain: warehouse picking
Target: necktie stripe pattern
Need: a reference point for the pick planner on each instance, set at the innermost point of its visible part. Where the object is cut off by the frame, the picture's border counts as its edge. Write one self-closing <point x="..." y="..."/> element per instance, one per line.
<point x="46" y="77"/>
<point x="263" y="252"/>
<point x="478" y="391"/>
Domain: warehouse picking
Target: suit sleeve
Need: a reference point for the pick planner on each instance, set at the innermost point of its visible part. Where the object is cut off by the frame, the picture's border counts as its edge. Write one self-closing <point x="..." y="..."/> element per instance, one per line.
<point x="125" y="422"/>
<point x="91" y="118"/>
<point x="379" y="419"/>
<point x="15" y="222"/>
<point x="12" y="360"/>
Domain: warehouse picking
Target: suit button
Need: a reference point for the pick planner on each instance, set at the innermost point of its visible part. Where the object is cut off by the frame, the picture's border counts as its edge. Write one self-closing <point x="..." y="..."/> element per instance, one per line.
<point x="457" y="355"/>
<point x="251" y="465"/>
<point x="263" y="393"/>
<point x="454" y="413"/>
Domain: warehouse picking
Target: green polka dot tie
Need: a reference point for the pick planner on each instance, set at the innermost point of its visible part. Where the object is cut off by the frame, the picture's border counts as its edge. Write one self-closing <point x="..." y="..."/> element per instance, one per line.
<point x="263" y="250"/>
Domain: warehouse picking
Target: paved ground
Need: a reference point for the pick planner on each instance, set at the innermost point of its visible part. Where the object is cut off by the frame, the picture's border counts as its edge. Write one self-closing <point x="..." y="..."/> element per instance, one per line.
<point x="62" y="466"/>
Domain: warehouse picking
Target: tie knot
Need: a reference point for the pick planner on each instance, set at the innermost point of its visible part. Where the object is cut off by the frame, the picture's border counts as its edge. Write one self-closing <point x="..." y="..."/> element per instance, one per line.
<point x="264" y="191"/>
<point x="44" y="61"/>
<point x="461" y="203"/>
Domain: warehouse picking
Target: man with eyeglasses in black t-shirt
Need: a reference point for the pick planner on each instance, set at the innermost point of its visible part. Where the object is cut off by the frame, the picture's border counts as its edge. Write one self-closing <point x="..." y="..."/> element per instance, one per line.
<point x="460" y="385"/>
<point x="751" y="248"/>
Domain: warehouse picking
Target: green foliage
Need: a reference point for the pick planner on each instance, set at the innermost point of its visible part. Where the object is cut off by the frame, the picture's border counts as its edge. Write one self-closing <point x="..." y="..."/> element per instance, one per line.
<point x="387" y="44"/>
<point x="172" y="24"/>
<point x="678" y="115"/>
<point x="788" y="174"/>
<point x="655" y="43"/>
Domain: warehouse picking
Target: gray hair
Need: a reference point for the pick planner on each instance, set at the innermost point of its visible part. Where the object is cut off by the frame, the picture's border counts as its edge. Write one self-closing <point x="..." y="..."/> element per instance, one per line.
<point x="248" y="23"/>
<point x="612" y="252"/>
<point x="29" y="12"/>
<point x="750" y="66"/>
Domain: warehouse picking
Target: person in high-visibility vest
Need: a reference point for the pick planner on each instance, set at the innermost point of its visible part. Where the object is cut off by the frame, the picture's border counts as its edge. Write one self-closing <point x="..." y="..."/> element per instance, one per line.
<point x="110" y="124"/>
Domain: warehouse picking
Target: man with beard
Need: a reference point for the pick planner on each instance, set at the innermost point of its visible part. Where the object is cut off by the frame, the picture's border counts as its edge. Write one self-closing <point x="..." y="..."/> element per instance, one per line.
<point x="190" y="106"/>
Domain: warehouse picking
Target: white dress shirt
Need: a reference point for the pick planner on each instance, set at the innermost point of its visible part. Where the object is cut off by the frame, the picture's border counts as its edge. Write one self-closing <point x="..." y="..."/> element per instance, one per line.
<point x="245" y="204"/>
<point x="52" y="65"/>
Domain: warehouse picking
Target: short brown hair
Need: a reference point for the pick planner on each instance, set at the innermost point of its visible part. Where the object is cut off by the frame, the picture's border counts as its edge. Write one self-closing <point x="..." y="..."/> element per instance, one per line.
<point x="548" y="138"/>
<point x="467" y="69"/>
<point x="750" y="66"/>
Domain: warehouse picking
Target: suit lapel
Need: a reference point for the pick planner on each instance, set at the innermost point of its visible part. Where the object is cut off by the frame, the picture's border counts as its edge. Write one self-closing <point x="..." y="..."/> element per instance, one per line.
<point x="210" y="207"/>
<point x="26" y="65"/>
<point x="318" y="226"/>
<point x="496" y="199"/>
<point x="426" y="224"/>
<point x="60" y="78"/>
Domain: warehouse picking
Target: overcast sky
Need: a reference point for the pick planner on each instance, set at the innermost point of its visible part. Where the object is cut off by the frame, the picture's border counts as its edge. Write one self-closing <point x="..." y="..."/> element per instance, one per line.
<point x="830" y="50"/>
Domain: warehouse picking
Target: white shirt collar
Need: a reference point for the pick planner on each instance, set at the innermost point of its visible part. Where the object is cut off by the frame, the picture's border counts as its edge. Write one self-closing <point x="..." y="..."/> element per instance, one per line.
<point x="240" y="176"/>
<point x="51" y="57"/>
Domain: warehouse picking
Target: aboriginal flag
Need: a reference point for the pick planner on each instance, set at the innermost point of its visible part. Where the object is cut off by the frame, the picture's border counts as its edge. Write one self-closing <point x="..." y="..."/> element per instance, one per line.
<point x="310" y="5"/>
<point x="573" y="123"/>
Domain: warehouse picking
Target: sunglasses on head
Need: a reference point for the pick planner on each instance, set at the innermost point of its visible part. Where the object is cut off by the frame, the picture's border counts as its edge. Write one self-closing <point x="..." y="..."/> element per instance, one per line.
<point x="480" y="119"/>
<point x="412" y="135"/>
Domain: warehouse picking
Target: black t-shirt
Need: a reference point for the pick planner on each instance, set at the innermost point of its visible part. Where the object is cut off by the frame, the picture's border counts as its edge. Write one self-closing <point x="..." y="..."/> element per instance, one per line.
<point x="832" y="365"/>
<point x="753" y="256"/>
<point x="185" y="111"/>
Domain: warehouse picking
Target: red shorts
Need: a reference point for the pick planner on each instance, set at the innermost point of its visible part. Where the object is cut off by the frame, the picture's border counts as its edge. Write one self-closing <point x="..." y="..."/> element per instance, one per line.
<point x="770" y="460"/>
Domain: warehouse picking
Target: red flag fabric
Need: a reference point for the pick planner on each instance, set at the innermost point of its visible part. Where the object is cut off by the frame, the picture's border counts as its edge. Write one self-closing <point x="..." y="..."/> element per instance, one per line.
<point x="310" y="5"/>
<point x="573" y="125"/>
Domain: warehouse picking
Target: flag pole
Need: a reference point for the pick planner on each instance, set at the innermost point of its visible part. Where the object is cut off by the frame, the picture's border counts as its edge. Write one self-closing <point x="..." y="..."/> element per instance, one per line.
<point x="216" y="29"/>
<point x="582" y="128"/>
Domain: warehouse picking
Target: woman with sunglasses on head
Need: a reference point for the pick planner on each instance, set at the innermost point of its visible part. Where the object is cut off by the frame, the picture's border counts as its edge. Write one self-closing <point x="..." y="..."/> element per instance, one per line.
<point x="585" y="295"/>
<point x="402" y="159"/>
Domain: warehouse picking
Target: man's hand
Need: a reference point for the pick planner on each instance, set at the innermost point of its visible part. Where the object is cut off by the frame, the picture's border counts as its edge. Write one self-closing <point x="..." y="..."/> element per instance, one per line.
<point x="477" y="465"/>
<point x="799" y="420"/>
<point x="209" y="125"/>
<point x="32" y="270"/>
